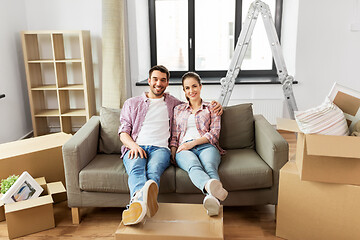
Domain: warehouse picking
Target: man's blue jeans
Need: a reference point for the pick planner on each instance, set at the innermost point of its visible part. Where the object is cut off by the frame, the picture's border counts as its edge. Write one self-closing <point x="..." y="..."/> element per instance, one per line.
<point x="142" y="169"/>
<point x="201" y="162"/>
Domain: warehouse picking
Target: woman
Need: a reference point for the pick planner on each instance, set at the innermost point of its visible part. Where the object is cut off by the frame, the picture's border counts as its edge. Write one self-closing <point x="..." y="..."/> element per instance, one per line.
<point x="194" y="143"/>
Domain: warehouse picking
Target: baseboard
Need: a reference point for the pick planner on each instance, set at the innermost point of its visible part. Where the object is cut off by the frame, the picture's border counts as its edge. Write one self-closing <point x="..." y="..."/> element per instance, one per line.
<point x="28" y="135"/>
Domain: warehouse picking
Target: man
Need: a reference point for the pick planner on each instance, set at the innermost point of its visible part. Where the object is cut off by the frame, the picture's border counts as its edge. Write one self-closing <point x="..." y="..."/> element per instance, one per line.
<point x="145" y="125"/>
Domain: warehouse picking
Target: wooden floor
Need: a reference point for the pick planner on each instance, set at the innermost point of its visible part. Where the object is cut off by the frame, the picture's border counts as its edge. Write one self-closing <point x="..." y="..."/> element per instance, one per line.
<point x="252" y="222"/>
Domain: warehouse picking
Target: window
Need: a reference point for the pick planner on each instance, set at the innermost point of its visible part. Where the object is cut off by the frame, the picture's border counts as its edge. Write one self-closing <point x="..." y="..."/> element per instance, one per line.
<point x="201" y="35"/>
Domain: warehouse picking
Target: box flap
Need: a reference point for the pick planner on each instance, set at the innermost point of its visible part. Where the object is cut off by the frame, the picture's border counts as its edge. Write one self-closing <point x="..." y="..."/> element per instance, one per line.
<point x="290" y="167"/>
<point x="333" y="146"/>
<point x="287" y="125"/>
<point x="56" y="187"/>
<point x="41" y="181"/>
<point x="30" y="145"/>
<point x="30" y="203"/>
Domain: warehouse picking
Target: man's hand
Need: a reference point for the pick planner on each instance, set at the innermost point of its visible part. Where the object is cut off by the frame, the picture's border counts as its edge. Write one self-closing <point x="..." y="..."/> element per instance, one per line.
<point x="137" y="151"/>
<point x="186" y="146"/>
<point x="218" y="109"/>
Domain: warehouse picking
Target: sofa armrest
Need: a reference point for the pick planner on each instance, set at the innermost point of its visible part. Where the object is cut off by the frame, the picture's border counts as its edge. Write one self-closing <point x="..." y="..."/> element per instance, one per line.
<point x="269" y="144"/>
<point x="77" y="153"/>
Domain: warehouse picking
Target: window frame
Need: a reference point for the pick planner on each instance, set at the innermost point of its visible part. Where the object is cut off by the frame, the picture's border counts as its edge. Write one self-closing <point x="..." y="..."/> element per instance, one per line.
<point x="191" y="34"/>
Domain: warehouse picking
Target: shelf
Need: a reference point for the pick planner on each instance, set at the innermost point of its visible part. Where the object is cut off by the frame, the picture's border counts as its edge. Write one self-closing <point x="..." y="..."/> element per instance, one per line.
<point x="60" y="80"/>
<point x="72" y="87"/>
<point x="74" y="113"/>
<point x="44" y="87"/>
<point x="68" y="60"/>
<point x="52" y="60"/>
<point x="41" y="61"/>
<point x="48" y="113"/>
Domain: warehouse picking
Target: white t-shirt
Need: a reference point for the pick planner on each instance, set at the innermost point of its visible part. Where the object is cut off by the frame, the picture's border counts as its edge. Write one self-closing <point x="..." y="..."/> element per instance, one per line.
<point x="191" y="130"/>
<point x="155" y="129"/>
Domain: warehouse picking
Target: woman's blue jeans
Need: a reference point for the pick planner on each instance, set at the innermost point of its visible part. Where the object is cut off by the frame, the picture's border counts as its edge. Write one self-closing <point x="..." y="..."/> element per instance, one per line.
<point x="201" y="163"/>
<point x="142" y="169"/>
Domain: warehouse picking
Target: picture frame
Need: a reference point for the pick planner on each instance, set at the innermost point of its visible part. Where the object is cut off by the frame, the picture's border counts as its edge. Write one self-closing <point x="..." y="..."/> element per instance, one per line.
<point x="24" y="188"/>
<point x="348" y="100"/>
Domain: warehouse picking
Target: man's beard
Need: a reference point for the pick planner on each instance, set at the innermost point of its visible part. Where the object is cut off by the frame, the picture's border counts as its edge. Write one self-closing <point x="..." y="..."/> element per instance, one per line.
<point x="153" y="90"/>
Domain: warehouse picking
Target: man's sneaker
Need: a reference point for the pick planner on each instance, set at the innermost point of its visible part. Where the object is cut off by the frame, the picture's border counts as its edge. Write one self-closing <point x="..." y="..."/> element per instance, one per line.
<point x="135" y="213"/>
<point x="150" y="193"/>
<point x="214" y="187"/>
<point x="212" y="205"/>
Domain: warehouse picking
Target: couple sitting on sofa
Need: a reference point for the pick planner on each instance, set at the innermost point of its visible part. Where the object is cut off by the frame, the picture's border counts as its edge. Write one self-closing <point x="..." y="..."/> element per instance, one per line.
<point x="194" y="147"/>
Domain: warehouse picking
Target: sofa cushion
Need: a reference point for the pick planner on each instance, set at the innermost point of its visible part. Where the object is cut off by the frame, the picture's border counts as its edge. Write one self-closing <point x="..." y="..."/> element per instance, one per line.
<point x="109" y="141"/>
<point x="237" y="127"/>
<point x="239" y="169"/>
<point x="106" y="173"/>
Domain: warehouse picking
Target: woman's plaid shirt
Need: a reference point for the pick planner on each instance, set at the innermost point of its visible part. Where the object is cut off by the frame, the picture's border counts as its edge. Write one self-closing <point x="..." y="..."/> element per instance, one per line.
<point x="207" y="123"/>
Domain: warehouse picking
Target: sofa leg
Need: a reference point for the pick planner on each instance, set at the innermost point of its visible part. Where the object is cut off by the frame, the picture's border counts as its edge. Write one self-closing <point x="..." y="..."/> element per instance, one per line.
<point x="75" y="212"/>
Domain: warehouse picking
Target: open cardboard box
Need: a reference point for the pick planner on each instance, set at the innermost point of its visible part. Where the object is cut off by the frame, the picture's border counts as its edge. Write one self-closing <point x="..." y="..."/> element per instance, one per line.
<point x="33" y="215"/>
<point x="175" y="222"/>
<point x="40" y="156"/>
<point x="324" y="158"/>
<point x="314" y="210"/>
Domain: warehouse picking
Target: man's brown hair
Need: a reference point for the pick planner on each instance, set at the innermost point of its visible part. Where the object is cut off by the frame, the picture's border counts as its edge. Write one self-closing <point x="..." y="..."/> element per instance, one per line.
<point x="160" y="68"/>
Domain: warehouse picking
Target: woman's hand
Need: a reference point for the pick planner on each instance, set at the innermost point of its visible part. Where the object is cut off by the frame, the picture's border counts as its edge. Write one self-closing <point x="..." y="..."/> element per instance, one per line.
<point x="173" y="153"/>
<point x="186" y="146"/>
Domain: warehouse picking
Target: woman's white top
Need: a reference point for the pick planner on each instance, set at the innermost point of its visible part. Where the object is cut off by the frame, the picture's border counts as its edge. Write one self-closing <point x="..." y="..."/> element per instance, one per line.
<point x="191" y="131"/>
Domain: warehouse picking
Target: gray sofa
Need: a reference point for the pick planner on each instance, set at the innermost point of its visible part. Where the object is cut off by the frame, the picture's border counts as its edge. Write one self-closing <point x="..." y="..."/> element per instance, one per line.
<point x="96" y="177"/>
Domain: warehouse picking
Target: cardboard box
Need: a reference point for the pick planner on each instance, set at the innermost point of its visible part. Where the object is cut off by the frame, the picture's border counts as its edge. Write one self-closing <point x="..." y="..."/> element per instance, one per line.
<point x="324" y="158"/>
<point x="313" y="210"/>
<point x="175" y="222"/>
<point x="40" y="156"/>
<point x="2" y="211"/>
<point x="33" y="215"/>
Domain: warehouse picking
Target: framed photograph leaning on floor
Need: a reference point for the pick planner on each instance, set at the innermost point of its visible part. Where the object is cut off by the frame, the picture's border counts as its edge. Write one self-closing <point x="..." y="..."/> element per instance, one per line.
<point x="24" y="188"/>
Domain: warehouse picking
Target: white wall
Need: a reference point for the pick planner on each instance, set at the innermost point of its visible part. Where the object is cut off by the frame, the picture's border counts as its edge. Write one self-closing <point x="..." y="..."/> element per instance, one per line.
<point x="71" y="15"/>
<point x="15" y="16"/>
<point x="327" y="51"/>
<point x="15" y="119"/>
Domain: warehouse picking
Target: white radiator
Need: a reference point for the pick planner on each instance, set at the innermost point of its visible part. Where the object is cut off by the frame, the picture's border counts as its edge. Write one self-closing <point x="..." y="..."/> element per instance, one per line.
<point x="269" y="108"/>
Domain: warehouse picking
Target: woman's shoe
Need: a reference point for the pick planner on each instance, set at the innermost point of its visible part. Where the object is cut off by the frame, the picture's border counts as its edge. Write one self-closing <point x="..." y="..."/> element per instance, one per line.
<point x="212" y="205"/>
<point x="214" y="187"/>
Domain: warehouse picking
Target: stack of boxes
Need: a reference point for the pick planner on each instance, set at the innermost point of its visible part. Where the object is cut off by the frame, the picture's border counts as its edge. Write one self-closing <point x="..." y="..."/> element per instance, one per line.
<point x="319" y="192"/>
